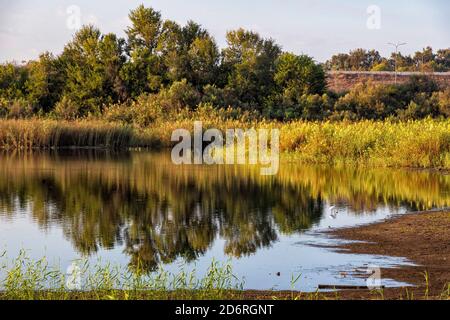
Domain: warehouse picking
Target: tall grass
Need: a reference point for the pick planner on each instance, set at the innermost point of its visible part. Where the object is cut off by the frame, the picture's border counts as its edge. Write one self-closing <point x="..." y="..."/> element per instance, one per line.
<point x="418" y="144"/>
<point x="45" y="133"/>
<point x="27" y="279"/>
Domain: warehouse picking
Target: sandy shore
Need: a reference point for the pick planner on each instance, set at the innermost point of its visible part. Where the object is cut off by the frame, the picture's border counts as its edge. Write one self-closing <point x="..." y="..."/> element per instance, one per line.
<point x="423" y="238"/>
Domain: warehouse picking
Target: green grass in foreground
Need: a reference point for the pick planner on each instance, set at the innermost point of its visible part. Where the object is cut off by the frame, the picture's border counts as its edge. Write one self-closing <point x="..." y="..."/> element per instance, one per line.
<point x="26" y="279"/>
<point x="418" y="144"/>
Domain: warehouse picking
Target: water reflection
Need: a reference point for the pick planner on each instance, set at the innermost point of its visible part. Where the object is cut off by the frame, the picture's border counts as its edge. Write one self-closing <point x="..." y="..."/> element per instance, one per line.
<point x="159" y="212"/>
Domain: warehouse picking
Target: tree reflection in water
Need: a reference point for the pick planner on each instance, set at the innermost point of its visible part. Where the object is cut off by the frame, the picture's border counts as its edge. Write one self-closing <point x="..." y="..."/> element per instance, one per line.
<point x="160" y="212"/>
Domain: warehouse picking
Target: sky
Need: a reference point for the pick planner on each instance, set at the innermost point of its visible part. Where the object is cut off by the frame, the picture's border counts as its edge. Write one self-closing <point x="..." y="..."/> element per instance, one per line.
<point x="319" y="28"/>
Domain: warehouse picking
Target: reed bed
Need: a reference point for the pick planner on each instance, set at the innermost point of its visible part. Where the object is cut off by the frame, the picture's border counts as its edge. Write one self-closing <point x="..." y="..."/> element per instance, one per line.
<point x="418" y="144"/>
<point x="46" y="133"/>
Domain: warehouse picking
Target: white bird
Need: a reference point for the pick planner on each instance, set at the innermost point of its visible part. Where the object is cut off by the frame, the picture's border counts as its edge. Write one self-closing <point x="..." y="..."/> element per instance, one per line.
<point x="334" y="213"/>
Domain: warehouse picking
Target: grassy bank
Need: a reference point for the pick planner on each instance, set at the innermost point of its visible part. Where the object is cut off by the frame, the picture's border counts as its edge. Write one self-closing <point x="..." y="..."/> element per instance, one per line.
<point x="27" y="279"/>
<point x="418" y="144"/>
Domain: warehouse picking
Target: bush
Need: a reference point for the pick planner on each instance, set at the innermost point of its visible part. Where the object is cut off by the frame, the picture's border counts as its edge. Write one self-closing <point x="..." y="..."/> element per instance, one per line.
<point x="20" y="109"/>
<point x="150" y="107"/>
<point x="183" y="94"/>
<point x="316" y="107"/>
<point x="66" y="109"/>
<point x="120" y="112"/>
<point x="382" y="66"/>
<point x="219" y="97"/>
<point x="4" y="109"/>
<point x="369" y="101"/>
<point x="418" y="84"/>
<point x="420" y="107"/>
<point x="443" y="100"/>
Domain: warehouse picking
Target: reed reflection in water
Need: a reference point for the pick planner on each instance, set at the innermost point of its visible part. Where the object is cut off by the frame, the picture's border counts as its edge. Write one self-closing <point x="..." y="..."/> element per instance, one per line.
<point x="159" y="212"/>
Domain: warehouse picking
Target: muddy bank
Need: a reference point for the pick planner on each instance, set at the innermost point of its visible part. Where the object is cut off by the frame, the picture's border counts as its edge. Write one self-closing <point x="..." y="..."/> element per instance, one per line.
<point x="423" y="238"/>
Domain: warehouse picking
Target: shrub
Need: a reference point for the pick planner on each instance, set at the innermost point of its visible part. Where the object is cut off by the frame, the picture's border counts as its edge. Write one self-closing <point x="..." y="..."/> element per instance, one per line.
<point x="150" y="107"/>
<point x="418" y="84"/>
<point x="66" y="109"/>
<point x="382" y="66"/>
<point x="443" y="100"/>
<point x="120" y="112"/>
<point x="370" y="101"/>
<point x="183" y="94"/>
<point x="20" y="109"/>
<point x="4" y="109"/>
<point x="219" y="97"/>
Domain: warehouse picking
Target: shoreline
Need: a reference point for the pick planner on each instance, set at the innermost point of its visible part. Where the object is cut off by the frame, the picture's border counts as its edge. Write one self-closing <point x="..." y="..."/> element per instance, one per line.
<point x="421" y="237"/>
<point x="421" y="144"/>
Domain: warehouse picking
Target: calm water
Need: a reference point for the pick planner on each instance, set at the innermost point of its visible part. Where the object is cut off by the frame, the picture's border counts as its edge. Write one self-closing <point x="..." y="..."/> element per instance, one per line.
<point x="139" y="206"/>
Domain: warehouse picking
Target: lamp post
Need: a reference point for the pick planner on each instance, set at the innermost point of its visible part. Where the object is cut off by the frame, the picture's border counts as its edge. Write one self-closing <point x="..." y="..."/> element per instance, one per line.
<point x="396" y="45"/>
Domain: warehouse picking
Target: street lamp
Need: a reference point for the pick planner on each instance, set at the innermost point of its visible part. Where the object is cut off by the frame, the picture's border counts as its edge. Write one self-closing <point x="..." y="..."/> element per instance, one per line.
<point x="396" y="45"/>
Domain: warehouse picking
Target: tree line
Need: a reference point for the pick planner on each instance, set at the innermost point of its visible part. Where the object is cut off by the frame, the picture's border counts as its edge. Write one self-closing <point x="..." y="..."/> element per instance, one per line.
<point x="371" y="60"/>
<point x="167" y="66"/>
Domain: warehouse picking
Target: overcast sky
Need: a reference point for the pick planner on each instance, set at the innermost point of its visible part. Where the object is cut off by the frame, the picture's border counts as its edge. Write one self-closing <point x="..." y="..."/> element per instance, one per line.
<point x="319" y="28"/>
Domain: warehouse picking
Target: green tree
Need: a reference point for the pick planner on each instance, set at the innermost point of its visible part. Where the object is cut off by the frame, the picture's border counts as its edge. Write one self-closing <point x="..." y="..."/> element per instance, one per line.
<point x="93" y="65"/>
<point x="192" y="31"/>
<point x="300" y="82"/>
<point x="145" y="29"/>
<point x="12" y="81"/>
<point x="424" y="60"/>
<point x="204" y="57"/>
<point x="338" y="62"/>
<point x="188" y="53"/>
<point x="299" y="75"/>
<point x="112" y="59"/>
<point x="171" y="51"/>
<point x="143" y="72"/>
<point x="45" y="82"/>
<point x="443" y="59"/>
<point x="250" y="62"/>
<point x="356" y="60"/>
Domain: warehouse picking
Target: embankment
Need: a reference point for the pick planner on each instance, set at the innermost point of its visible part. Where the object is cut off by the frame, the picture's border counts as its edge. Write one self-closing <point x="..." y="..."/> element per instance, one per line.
<point x="341" y="81"/>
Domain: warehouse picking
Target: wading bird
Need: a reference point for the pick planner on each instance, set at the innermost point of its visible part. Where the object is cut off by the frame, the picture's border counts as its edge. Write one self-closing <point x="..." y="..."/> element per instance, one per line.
<point x="334" y="213"/>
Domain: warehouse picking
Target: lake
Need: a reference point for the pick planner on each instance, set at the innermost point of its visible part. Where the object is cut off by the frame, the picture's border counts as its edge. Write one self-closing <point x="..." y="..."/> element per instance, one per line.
<point x="138" y="206"/>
